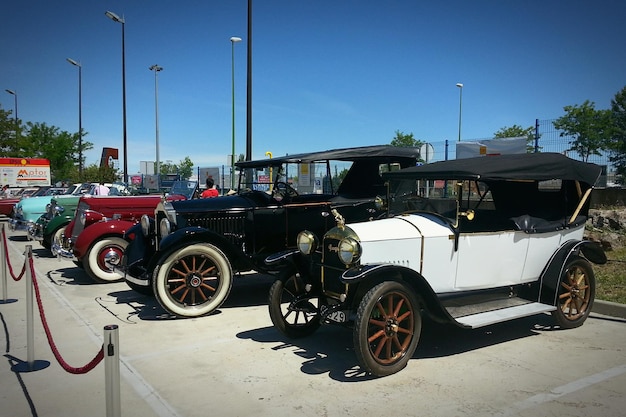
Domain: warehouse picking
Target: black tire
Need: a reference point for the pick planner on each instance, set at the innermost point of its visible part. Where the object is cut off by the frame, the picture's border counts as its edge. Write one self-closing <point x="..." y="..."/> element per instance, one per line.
<point x="193" y="281"/>
<point x="577" y="291"/>
<point x="291" y="317"/>
<point x="387" y="328"/>
<point x="93" y="261"/>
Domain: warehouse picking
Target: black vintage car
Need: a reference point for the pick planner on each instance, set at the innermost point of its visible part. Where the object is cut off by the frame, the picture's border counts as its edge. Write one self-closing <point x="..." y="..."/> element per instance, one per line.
<point x="188" y="252"/>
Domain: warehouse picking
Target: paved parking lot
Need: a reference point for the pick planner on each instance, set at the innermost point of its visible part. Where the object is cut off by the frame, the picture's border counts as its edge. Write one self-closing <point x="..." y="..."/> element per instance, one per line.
<point x="234" y="363"/>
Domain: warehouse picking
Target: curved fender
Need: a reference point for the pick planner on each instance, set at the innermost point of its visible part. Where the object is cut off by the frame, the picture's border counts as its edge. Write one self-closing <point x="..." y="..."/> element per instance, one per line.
<point x="410" y="276"/>
<point x="97" y="231"/>
<point x="55" y="222"/>
<point x="552" y="272"/>
<point x="188" y="236"/>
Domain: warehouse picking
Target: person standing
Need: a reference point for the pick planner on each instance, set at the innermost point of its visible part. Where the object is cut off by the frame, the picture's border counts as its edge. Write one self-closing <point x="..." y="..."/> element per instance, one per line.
<point x="101" y="189"/>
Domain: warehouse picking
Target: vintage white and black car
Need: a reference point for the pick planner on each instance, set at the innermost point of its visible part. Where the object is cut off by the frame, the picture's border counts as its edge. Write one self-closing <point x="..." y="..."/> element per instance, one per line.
<point x="472" y="242"/>
<point x="188" y="253"/>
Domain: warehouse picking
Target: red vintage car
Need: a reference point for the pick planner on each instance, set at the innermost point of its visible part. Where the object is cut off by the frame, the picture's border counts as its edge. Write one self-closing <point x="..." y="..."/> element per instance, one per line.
<point x="97" y="231"/>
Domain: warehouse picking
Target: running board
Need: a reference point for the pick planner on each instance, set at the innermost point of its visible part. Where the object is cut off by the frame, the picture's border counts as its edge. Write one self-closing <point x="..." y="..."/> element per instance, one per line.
<point x="504" y="314"/>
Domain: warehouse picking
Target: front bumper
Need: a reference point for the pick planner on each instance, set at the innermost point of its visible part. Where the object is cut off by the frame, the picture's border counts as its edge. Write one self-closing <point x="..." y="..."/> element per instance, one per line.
<point x="63" y="248"/>
<point x="19" y="225"/>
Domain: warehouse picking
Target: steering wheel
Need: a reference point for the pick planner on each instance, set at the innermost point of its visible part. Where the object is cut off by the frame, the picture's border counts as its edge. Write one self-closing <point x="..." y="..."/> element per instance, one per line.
<point x="282" y="189"/>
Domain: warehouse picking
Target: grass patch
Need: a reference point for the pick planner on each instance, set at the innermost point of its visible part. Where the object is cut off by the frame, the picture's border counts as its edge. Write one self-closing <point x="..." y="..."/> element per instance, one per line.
<point x="611" y="277"/>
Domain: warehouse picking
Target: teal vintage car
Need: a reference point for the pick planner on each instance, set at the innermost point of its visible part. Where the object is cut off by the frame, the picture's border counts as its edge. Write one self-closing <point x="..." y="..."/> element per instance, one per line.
<point x="28" y="210"/>
<point x="59" y="212"/>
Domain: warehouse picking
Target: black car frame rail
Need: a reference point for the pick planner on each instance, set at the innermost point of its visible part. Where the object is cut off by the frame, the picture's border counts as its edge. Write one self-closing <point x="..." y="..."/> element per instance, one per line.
<point x="187" y="254"/>
<point x="470" y="242"/>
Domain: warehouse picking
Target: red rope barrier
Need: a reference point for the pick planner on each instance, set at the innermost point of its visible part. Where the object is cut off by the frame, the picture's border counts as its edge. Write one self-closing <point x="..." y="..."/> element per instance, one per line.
<point x="72" y="370"/>
<point x="6" y="253"/>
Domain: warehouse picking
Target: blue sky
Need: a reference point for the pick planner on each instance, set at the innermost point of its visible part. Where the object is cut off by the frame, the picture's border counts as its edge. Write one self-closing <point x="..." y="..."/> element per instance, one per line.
<point x="326" y="73"/>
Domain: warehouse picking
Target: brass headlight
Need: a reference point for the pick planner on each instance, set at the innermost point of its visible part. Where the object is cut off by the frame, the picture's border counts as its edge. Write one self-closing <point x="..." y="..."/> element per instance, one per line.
<point x="349" y="251"/>
<point x="165" y="228"/>
<point x="307" y="242"/>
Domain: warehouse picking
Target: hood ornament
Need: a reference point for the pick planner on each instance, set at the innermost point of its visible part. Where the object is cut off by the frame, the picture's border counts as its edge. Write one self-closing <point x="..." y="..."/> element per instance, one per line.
<point x="341" y="222"/>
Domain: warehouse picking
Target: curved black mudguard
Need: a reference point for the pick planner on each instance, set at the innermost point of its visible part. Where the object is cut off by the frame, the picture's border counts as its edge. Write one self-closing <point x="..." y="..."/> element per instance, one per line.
<point x="551" y="275"/>
<point x="427" y="295"/>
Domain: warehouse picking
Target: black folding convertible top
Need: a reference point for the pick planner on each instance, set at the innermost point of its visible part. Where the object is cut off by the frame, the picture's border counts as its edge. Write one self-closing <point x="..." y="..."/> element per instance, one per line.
<point x="529" y="166"/>
<point x="380" y="152"/>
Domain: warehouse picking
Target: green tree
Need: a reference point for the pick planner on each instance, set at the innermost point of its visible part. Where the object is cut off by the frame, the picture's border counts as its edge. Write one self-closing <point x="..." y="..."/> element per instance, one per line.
<point x="589" y="128"/>
<point x="517" y="131"/>
<point x="8" y="137"/>
<point x="402" y="139"/>
<point x="96" y="173"/>
<point x="617" y="143"/>
<point x="60" y="147"/>
<point x="184" y="168"/>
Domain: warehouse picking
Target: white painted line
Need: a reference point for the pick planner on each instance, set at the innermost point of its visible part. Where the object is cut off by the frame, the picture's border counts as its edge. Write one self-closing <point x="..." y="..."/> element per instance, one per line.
<point x="557" y="392"/>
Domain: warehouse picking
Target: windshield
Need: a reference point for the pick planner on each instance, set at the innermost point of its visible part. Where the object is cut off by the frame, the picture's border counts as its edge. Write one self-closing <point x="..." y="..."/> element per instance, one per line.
<point x="185" y="188"/>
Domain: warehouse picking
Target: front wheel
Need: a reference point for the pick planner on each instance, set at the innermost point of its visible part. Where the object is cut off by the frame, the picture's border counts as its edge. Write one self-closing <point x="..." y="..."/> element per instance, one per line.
<point x="577" y="290"/>
<point x="108" y="249"/>
<point x="193" y="281"/>
<point x="387" y="328"/>
<point x="292" y="312"/>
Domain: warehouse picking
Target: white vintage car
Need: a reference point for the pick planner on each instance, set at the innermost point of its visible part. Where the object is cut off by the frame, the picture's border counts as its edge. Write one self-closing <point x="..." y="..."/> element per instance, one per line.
<point x="472" y="241"/>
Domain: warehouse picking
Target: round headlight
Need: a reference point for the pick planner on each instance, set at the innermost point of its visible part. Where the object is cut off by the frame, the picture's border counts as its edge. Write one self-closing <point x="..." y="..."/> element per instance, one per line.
<point x="165" y="227"/>
<point x="379" y="203"/>
<point x="82" y="218"/>
<point x="59" y="209"/>
<point x="349" y="251"/>
<point x="307" y="242"/>
<point x="145" y="225"/>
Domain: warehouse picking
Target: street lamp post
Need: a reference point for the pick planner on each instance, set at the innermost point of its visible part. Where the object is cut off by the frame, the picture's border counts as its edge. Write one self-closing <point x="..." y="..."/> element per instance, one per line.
<point x="14" y="94"/>
<point x="80" y="115"/>
<point x="121" y="20"/>
<point x="156" y="70"/>
<point x="460" y="85"/>
<point x="233" y="40"/>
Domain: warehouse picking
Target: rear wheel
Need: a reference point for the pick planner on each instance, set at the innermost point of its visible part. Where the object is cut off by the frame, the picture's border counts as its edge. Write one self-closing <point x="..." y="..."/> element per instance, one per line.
<point x="387" y="328"/>
<point x="294" y="314"/>
<point x="193" y="281"/>
<point x="107" y="249"/>
<point x="577" y="290"/>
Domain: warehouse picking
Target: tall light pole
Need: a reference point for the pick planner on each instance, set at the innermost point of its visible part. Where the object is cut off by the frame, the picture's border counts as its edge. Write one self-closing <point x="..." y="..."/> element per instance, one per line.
<point x="121" y="20"/>
<point x="80" y="114"/>
<point x="460" y="85"/>
<point x="233" y="40"/>
<point x="156" y="70"/>
<point x="14" y="94"/>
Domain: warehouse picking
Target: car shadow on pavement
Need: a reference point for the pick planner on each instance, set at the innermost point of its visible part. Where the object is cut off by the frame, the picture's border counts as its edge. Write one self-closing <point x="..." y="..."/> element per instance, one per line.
<point x="70" y="276"/>
<point x="331" y="350"/>
<point x="129" y="305"/>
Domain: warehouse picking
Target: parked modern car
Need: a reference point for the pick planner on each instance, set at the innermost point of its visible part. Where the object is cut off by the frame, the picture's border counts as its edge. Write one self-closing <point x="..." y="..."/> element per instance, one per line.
<point x="97" y="232"/>
<point x="188" y="253"/>
<point x="471" y="242"/>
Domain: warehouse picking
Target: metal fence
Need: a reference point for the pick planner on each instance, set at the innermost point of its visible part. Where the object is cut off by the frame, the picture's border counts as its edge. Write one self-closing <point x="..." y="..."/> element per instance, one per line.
<point x="549" y="140"/>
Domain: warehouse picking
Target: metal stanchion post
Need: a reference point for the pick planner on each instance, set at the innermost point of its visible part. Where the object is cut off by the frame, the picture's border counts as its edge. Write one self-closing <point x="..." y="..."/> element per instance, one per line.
<point x="112" y="370"/>
<point x="3" y="265"/>
<point x="30" y="327"/>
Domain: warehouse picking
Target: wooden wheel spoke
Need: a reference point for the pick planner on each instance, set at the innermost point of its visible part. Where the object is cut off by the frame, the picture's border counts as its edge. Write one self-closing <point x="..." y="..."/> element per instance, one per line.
<point x="178" y="288"/>
<point x="380" y="346"/>
<point x="179" y="272"/>
<point x="380" y="309"/>
<point x="378" y="334"/>
<point x="377" y="323"/>
<point x="182" y="297"/>
<point x="206" y="271"/>
<point x="184" y="264"/>
<point x="396" y="311"/>
<point x="565" y="295"/>
<point x="201" y="293"/>
<point x="208" y="287"/>
<point x="405" y="316"/>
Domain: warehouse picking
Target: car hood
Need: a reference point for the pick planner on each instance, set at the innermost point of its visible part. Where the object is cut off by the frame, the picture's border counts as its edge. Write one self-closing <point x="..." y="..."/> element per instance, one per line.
<point x="232" y="202"/>
<point x="402" y="227"/>
<point x="34" y="204"/>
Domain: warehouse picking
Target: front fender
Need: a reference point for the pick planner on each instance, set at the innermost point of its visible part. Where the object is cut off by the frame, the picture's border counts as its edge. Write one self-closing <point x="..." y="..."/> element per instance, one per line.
<point x="190" y="235"/>
<point x="370" y="275"/>
<point x="97" y="231"/>
<point x="56" y="222"/>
